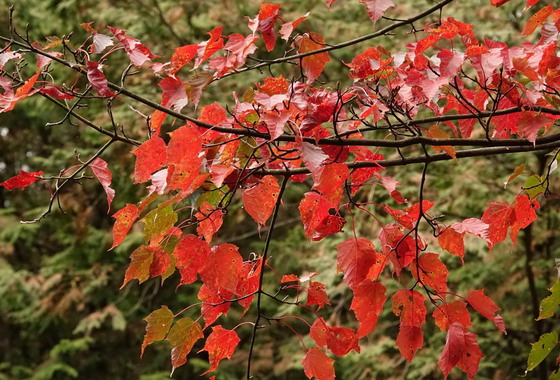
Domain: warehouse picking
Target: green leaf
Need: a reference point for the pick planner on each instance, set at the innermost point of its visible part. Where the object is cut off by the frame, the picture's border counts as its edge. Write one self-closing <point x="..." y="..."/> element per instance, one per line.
<point x="535" y="185"/>
<point x="541" y="349"/>
<point x="550" y="304"/>
<point x="182" y="337"/>
<point x="158" y="221"/>
<point x="159" y="323"/>
<point x="555" y="375"/>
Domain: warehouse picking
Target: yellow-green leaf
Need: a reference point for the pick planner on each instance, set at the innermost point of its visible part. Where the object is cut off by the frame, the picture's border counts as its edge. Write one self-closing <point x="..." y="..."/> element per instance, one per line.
<point x="158" y="221"/>
<point x="541" y="349"/>
<point x="550" y="304"/>
<point x="159" y="322"/>
<point x="182" y="337"/>
<point x="535" y="186"/>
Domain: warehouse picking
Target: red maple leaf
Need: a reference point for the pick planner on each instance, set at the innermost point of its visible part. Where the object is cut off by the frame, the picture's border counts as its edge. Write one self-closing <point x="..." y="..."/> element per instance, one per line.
<point x="22" y="179"/>
<point x="367" y="304"/>
<point x="260" y="199"/>
<point x="220" y="344"/>
<point x="354" y="259"/>
<point x="317" y="364"/>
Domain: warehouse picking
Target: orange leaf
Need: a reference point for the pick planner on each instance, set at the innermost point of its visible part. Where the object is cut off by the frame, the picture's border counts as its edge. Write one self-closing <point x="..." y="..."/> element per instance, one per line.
<point x="125" y="217"/>
<point x="435" y="133"/>
<point x="537" y="20"/>
<point x="141" y="261"/>
<point x="312" y="65"/>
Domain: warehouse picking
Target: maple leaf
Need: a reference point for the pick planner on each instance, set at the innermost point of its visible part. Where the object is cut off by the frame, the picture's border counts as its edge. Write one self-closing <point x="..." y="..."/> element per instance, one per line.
<point x="220" y="344"/>
<point x="447" y="314"/>
<point x="22" y="179"/>
<point x="498" y="3"/>
<point x="209" y="221"/>
<point x="354" y="259"/>
<point x="499" y="216"/>
<point x="454" y="348"/>
<point x="182" y="336"/>
<point x="367" y="304"/>
<point x="135" y="50"/>
<point x="390" y="184"/>
<point x="275" y="120"/>
<point x="537" y="20"/>
<point x="409" y="217"/>
<point x="8" y="99"/>
<point x="98" y="80"/>
<point x="452" y="238"/>
<point x="435" y="132"/>
<point x="191" y="254"/>
<point x="55" y="92"/>
<point x="185" y="145"/>
<point x="409" y="306"/>
<point x="312" y="65"/>
<point x="140" y="262"/>
<point x="100" y="41"/>
<point x="7" y="56"/>
<point x="259" y="200"/>
<point x="430" y="271"/>
<point x="409" y="340"/>
<point x="162" y="264"/>
<point x="340" y="340"/>
<point x="213" y="305"/>
<point x="125" y="217"/>
<point x="181" y="57"/>
<point x="471" y="355"/>
<point x="158" y="221"/>
<point x="316" y="295"/>
<point x="317" y="364"/>
<point x="210" y="47"/>
<point x="530" y="123"/>
<point x="525" y="213"/>
<point x="159" y="323"/>
<point x="174" y="94"/>
<point x="400" y="248"/>
<point x="288" y="28"/>
<point x="265" y="23"/>
<point x="249" y="281"/>
<point x="313" y="158"/>
<point x="550" y="304"/>
<point x="150" y="156"/>
<point x="315" y="214"/>
<point x="485" y="306"/>
<point x="222" y="268"/>
<point x="101" y="171"/>
<point x="376" y="8"/>
<point x="331" y="181"/>
<point x="195" y="84"/>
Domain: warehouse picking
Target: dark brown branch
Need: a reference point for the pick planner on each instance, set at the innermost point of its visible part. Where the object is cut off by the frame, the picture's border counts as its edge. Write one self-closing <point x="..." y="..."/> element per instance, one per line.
<point x="329" y="141"/>
<point x="261" y="276"/>
<point x="71" y="177"/>
<point x="423" y="159"/>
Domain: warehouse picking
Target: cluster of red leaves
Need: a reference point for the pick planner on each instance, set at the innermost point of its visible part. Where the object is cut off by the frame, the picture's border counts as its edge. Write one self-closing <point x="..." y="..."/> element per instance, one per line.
<point x="285" y="125"/>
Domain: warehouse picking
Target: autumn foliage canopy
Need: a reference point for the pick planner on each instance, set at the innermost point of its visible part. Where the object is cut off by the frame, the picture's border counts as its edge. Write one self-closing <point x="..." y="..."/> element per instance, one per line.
<point x="449" y="94"/>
